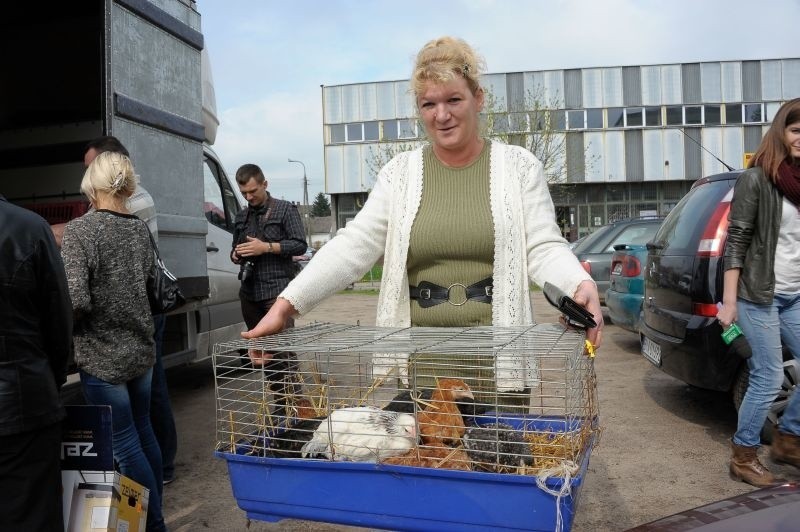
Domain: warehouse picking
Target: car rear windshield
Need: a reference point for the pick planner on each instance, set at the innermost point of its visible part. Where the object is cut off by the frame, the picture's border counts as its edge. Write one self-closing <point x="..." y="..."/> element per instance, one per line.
<point x="589" y="242"/>
<point x="681" y="231"/>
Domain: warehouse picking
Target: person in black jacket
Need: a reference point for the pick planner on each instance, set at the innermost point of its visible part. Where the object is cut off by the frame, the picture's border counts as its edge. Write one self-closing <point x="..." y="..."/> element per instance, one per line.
<point x="35" y="343"/>
<point x="762" y="291"/>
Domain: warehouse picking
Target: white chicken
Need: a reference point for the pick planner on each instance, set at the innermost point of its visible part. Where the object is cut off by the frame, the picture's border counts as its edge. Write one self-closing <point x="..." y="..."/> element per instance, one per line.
<point x="362" y="434"/>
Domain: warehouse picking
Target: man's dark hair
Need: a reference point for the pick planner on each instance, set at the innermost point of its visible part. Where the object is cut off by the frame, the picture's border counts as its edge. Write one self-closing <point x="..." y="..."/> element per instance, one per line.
<point x="107" y="143"/>
<point x="246" y="172"/>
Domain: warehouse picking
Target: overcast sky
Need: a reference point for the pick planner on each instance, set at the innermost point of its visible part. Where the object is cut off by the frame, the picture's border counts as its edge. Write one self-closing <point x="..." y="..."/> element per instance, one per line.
<point x="270" y="57"/>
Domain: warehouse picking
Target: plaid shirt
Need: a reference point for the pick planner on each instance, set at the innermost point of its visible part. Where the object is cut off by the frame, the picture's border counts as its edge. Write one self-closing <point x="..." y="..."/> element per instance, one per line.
<point x="271" y="271"/>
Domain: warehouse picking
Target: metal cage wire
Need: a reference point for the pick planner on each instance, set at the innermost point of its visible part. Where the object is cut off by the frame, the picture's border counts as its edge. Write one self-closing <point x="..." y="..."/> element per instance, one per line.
<point x="319" y="398"/>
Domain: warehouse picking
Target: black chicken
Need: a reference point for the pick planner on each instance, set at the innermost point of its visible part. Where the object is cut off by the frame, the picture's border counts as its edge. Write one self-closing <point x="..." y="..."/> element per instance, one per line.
<point x="497" y="447"/>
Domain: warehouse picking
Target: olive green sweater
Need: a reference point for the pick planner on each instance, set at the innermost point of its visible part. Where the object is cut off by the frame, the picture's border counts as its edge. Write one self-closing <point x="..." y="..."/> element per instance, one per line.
<point x="452" y="239"/>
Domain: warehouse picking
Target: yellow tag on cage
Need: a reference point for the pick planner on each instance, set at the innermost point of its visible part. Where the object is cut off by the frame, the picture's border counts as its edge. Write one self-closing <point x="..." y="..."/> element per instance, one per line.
<point x="590" y="349"/>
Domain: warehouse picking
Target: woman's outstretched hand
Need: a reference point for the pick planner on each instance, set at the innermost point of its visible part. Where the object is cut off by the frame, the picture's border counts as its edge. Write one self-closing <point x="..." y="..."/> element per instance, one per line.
<point x="586" y="296"/>
<point x="272" y="323"/>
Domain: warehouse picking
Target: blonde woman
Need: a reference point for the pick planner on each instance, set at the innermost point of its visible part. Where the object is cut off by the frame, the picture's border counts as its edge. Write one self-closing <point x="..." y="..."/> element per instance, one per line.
<point x="462" y="211"/>
<point x="108" y="258"/>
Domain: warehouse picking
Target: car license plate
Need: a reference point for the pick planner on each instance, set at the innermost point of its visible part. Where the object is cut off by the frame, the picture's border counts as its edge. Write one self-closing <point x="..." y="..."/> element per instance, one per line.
<point x="651" y="351"/>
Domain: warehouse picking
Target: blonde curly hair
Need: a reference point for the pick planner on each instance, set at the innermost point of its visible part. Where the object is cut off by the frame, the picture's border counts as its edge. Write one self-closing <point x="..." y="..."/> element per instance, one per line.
<point x="442" y="60"/>
<point x="112" y="173"/>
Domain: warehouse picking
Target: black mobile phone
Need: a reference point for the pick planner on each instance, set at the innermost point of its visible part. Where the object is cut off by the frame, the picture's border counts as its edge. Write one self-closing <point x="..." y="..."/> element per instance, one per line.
<point x="575" y="314"/>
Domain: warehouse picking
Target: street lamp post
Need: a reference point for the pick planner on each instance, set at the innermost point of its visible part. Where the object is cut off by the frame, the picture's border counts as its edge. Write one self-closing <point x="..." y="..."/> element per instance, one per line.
<point x="305" y="201"/>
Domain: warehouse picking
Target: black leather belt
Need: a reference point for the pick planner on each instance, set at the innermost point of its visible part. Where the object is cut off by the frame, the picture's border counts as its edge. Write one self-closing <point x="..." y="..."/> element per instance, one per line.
<point x="429" y="294"/>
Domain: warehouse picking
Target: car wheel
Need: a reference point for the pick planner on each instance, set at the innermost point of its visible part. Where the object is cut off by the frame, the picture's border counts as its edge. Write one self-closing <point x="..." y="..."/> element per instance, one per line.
<point x="791" y="378"/>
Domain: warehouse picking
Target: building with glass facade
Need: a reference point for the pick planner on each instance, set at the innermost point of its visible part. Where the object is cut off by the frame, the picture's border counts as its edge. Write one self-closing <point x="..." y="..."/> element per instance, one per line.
<point x="633" y="138"/>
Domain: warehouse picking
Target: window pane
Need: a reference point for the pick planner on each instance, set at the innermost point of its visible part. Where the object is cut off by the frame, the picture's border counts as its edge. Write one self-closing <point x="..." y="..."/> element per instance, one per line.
<point x="594" y="118"/>
<point x="633" y="117"/>
<point x="615" y="117"/>
<point x="499" y="123"/>
<point x="355" y="132"/>
<point x="694" y="114"/>
<point x="575" y="119"/>
<point x="518" y="122"/>
<point x="674" y="116"/>
<point x="371" y="131"/>
<point x="408" y="129"/>
<point x="390" y="130"/>
<point x="337" y="133"/>
<point x="733" y="113"/>
<point x="713" y="116"/>
<point x="652" y="116"/>
<point x="558" y="120"/>
<point x="214" y="207"/>
<point x="752" y="113"/>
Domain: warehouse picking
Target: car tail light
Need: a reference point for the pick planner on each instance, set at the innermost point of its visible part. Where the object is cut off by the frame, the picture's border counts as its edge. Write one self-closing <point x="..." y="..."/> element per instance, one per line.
<point x="587" y="266"/>
<point x="712" y="241"/>
<point x="628" y="266"/>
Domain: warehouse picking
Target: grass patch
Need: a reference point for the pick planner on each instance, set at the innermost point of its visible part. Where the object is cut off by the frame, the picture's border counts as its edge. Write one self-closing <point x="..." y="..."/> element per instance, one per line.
<point x="374" y="274"/>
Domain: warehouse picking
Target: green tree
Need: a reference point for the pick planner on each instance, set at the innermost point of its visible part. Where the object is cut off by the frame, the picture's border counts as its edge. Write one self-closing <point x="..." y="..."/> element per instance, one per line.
<point x="321" y="206"/>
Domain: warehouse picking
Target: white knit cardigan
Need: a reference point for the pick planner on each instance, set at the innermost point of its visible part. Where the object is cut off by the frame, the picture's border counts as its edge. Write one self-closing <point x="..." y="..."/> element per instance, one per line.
<point x="528" y="245"/>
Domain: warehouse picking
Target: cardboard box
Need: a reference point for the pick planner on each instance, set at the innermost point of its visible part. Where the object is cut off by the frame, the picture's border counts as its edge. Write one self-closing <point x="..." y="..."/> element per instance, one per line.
<point x="96" y="498"/>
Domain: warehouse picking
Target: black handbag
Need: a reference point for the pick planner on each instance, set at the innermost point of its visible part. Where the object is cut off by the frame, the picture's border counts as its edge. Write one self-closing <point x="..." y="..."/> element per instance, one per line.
<point x="162" y="287"/>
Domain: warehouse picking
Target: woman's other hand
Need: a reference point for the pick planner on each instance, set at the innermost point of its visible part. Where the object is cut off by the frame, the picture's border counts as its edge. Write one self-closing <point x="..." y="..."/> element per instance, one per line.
<point x="727" y="314"/>
<point x="586" y="296"/>
<point x="273" y="322"/>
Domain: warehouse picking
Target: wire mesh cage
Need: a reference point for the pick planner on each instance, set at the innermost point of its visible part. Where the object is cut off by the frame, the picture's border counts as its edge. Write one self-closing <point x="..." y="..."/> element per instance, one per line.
<point x="515" y="400"/>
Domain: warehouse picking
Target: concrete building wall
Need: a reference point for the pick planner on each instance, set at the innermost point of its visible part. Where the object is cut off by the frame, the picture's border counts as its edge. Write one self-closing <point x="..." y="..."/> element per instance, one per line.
<point x="638" y="128"/>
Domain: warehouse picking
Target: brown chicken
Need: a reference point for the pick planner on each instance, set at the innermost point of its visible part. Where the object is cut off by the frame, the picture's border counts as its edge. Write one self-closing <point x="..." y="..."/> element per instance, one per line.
<point x="435" y="457"/>
<point x="440" y="421"/>
<point x="304" y="409"/>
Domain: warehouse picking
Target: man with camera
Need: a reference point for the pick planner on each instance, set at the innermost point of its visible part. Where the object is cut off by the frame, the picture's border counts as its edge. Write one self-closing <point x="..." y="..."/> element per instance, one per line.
<point x="267" y="233"/>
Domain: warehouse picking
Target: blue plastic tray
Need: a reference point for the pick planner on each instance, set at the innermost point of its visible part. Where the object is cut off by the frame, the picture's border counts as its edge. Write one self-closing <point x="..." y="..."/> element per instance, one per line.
<point x="401" y="497"/>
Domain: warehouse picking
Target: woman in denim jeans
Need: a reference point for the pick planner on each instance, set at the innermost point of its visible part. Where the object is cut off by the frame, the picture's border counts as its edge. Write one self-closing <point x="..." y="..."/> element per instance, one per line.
<point x="762" y="291"/>
<point x="108" y="258"/>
